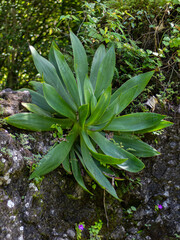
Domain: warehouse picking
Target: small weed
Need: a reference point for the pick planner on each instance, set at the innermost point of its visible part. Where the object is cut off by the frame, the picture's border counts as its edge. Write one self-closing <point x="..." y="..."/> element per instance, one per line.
<point x="177" y="236"/>
<point x="158" y="207"/>
<point x="94" y="230"/>
<point x="6" y="151"/>
<point x="2" y="122"/>
<point x="79" y="228"/>
<point x="131" y="210"/>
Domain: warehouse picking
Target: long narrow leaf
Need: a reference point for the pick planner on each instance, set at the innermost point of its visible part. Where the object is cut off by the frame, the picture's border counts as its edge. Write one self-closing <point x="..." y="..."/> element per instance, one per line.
<point x="162" y="124"/>
<point x="88" y="90"/>
<point x="98" y="57"/>
<point x="76" y="171"/>
<point x="106" y="72"/>
<point x="102" y="126"/>
<point x="66" y="165"/>
<point x="95" y="171"/>
<point x="134" y="122"/>
<point x="93" y="103"/>
<point x="99" y="156"/>
<point x="101" y="106"/>
<point x="80" y="63"/>
<point x="48" y="72"/>
<point x="39" y="100"/>
<point x="134" y="145"/>
<point x="57" y="102"/>
<point x="133" y="164"/>
<point x="67" y="76"/>
<point x="140" y="81"/>
<point x="54" y="157"/>
<point x="36" y="109"/>
<point x="36" y="122"/>
<point x="126" y="98"/>
<point x="52" y="59"/>
<point x="83" y="114"/>
<point x="37" y="86"/>
<point x="109" y="114"/>
<point x="107" y="171"/>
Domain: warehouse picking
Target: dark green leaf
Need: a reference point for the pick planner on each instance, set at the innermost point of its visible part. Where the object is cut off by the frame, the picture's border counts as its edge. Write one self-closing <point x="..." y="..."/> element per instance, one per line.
<point x="162" y="124"/>
<point x="76" y="171"/>
<point x="52" y="59"/>
<point x="106" y="72"/>
<point x="80" y="62"/>
<point x="98" y="57"/>
<point x="107" y="171"/>
<point x="39" y="100"/>
<point x="133" y="164"/>
<point x="134" y="122"/>
<point x="95" y="171"/>
<point x="134" y="145"/>
<point x="66" y="164"/>
<point x="37" y="86"/>
<point x="93" y="103"/>
<point x="57" y="102"/>
<point x="99" y="156"/>
<point x="83" y="114"/>
<point x="49" y="74"/>
<point x="88" y="90"/>
<point x="67" y="76"/>
<point x="54" y="157"/>
<point x="36" y="109"/>
<point x="101" y="106"/>
<point x="108" y="115"/>
<point x="140" y="81"/>
<point x="36" y="122"/>
<point x="125" y="99"/>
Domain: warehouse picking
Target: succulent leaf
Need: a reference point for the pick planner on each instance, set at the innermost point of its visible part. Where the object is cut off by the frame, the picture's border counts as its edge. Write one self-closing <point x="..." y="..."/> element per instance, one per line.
<point x="95" y="171"/>
<point x="135" y="146"/>
<point x="80" y="63"/>
<point x="105" y="72"/>
<point x="36" y="122"/>
<point x="76" y="171"/>
<point x="50" y="76"/>
<point x="97" y="60"/>
<point x="53" y="159"/>
<point x="57" y="102"/>
<point x="134" y="122"/>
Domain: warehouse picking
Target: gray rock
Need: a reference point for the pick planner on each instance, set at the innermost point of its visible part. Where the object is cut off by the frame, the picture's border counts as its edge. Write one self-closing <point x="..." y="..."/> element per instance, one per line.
<point x="133" y="230"/>
<point x="118" y="233"/>
<point x="10" y="102"/>
<point x="71" y="233"/>
<point x="49" y="207"/>
<point x="178" y="228"/>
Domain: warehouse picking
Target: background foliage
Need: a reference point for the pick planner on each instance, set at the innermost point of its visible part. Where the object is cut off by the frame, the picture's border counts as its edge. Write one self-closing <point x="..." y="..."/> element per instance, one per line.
<point x="145" y="33"/>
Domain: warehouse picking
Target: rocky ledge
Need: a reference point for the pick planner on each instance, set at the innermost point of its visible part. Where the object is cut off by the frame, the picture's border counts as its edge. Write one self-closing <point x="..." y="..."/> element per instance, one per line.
<point x="49" y="207"/>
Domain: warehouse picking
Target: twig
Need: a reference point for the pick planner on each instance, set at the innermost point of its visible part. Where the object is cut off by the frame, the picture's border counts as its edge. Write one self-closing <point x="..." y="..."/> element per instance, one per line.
<point x="104" y="202"/>
<point x="81" y="25"/>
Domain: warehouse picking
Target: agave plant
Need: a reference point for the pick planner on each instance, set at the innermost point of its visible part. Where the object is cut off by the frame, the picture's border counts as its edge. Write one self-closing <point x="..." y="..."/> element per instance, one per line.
<point x="89" y="113"/>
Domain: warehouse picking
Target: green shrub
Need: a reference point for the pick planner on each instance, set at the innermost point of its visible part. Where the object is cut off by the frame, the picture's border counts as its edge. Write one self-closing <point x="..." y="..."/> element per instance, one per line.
<point x="90" y="113"/>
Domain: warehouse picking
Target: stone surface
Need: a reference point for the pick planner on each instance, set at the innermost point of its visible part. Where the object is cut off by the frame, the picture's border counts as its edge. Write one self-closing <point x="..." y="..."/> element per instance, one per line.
<point x="10" y="101"/>
<point x="49" y="208"/>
